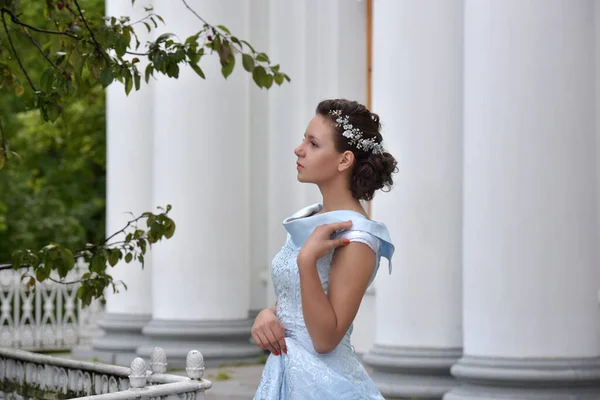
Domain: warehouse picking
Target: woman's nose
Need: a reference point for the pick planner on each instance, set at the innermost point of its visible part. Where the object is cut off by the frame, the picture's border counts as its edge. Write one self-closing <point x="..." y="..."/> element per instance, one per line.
<point x="298" y="151"/>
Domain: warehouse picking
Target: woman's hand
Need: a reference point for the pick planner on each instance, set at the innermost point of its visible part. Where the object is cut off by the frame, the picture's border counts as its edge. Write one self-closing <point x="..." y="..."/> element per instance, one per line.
<point x="319" y="243"/>
<point x="268" y="333"/>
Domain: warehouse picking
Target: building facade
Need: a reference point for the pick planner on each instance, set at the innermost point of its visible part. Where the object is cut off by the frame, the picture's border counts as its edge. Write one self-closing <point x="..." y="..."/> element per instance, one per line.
<point x="490" y="108"/>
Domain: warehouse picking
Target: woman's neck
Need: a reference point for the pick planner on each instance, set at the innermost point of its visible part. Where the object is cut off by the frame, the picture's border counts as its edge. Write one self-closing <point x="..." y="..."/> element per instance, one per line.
<point x="339" y="198"/>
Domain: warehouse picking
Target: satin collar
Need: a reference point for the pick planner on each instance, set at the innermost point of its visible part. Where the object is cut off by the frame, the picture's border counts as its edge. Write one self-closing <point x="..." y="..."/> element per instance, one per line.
<point x="301" y="224"/>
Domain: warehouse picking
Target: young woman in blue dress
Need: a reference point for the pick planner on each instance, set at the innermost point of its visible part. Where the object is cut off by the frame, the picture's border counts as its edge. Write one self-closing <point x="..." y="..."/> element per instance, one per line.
<point x="329" y="259"/>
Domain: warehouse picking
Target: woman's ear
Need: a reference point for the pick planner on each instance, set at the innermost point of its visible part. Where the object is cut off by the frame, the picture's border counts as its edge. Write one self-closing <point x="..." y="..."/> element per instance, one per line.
<point x="346" y="161"/>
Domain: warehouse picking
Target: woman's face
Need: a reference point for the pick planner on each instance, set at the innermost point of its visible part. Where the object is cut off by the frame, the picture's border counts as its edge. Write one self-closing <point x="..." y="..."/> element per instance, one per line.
<point x="318" y="160"/>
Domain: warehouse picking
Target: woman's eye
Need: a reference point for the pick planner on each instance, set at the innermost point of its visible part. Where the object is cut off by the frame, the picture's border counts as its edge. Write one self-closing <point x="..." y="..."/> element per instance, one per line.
<point x="313" y="144"/>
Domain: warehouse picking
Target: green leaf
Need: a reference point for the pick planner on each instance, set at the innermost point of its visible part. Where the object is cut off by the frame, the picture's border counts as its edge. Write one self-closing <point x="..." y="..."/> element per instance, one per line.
<point x="137" y="78"/>
<point x="170" y="230"/>
<point x="164" y="37"/>
<point x="216" y="43"/>
<point x="148" y="72"/>
<point x="46" y="80"/>
<point x="227" y="69"/>
<point x="98" y="264"/>
<point x="249" y="46"/>
<point x="262" y="57"/>
<point x="279" y="78"/>
<point x="224" y="29"/>
<point x="173" y="70"/>
<point x="268" y="81"/>
<point x="42" y="273"/>
<point x="143" y="245"/>
<point x="258" y="76"/>
<point x="150" y="220"/>
<point x="113" y="257"/>
<point x="17" y="259"/>
<point x="53" y="111"/>
<point x="128" y="84"/>
<point x="128" y="258"/>
<point x="248" y="62"/>
<point x="68" y="261"/>
<point x="84" y="294"/>
<point x="107" y="77"/>
<point x="197" y="69"/>
<point x="61" y="58"/>
<point x="147" y="26"/>
<point x="287" y="78"/>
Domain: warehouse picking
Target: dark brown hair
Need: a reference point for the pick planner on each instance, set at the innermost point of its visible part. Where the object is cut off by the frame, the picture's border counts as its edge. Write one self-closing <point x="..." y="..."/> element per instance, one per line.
<point x="370" y="172"/>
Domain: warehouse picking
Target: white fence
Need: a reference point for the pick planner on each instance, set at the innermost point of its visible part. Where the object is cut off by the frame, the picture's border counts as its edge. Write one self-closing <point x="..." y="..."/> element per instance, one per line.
<point x="28" y="376"/>
<point x="49" y="318"/>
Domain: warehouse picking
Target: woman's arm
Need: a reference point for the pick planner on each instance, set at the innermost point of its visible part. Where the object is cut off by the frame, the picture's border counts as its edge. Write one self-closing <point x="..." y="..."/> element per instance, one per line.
<point x="328" y="317"/>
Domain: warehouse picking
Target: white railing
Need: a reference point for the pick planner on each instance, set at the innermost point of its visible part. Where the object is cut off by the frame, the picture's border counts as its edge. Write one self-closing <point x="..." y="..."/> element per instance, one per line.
<point x="26" y="376"/>
<point x="49" y="318"/>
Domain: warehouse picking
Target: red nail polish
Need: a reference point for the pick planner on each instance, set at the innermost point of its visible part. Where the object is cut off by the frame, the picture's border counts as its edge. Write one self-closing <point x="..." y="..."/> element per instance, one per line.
<point x="276" y="353"/>
<point x="285" y="351"/>
<point x="346" y="241"/>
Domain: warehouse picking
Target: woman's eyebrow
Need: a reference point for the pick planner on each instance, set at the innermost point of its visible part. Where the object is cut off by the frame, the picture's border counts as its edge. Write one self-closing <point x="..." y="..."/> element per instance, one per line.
<point x="308" y="135"/>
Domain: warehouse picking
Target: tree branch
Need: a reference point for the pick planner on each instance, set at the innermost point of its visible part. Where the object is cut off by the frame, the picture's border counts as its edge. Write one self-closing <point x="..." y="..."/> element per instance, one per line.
<point x="14" y="50"/>
<point x="9" y="266"/>
<point x="123" y="230"/>
<point x="98" y="47"/>
<point x="211" y="26"/>
<point x="17" y="21"/>
<point x="136" y="54"/>
<point x="40" y="49"/>
<point x="195" y="13"/>
<point x="141" y="20"/>
<point x="4" y="149"/>
<point x="64" y="283"/>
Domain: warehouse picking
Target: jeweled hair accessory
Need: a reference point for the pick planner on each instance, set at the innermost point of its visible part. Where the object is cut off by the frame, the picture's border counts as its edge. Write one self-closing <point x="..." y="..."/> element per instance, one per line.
<point x="355" y="135"/>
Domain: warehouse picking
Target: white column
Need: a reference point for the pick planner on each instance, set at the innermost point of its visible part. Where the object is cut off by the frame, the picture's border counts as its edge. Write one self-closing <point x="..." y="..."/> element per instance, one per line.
<point x="259" y="166"/>
<point x="417" y="91"/>
<point x="201" y="276"/>
<point x="321" y="46"/>
<point x="531" y="317"/>
<point x="129" y="189"/>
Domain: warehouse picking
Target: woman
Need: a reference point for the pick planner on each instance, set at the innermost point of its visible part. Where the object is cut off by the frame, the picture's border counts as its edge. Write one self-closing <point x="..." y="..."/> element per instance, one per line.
<point x="330" y="257"/>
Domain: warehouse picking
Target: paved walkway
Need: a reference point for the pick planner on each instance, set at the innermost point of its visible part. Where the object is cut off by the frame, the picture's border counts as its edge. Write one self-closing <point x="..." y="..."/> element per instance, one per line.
<point x="234" y="383"/>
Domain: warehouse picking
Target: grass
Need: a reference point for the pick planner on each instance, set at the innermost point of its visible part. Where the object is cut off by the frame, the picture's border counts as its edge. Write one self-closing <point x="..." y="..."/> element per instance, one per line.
<point x="222" y="376"/>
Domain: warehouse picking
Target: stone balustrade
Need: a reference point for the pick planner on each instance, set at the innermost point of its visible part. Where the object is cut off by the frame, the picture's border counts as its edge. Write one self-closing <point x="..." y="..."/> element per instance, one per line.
<point x="25" y="375"/>
<point x="49" y="318"/>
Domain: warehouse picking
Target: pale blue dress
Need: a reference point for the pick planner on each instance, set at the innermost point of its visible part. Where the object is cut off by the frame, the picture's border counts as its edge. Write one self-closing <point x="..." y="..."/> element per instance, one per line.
<point x="302" y="373"/>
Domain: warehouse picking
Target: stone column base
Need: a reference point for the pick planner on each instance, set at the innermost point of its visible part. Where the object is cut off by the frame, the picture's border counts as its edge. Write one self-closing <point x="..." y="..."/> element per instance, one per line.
<point x="422" y="373"/>
<point x="220" y="342"/>
<point x="526" y="379"/>
<point x="122" y="336"/>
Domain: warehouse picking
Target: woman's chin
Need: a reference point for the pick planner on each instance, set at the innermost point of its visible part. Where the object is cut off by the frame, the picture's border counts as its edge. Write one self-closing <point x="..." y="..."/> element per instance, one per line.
<point x="302" y="178"/>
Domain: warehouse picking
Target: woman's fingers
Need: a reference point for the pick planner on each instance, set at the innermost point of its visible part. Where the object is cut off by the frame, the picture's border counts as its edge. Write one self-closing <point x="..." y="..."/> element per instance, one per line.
<point x="279" y="334"/>
<point x="273" y="343"/>
<point x="258" y="342"/>
<point x="337" y="226"/>
<point x="267" y="343"/>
